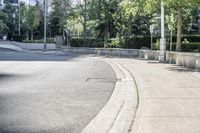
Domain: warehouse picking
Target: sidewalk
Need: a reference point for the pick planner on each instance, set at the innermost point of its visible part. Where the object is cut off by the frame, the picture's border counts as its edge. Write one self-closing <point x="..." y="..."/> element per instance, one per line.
<point x="169" y="97"/>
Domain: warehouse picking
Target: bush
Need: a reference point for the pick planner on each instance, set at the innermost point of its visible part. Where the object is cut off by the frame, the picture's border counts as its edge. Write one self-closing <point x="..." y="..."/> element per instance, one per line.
<point x="156" y="46"/>
<point x="114" y="43"/>
<point x="17" y="38"/>
<point x="191" y="47"/>
<point x="190" y="38"/>
<point x="49" y="40"/>
<point x="136" y="42"/>
<point x="130" y="42"/>
<point x="90" y="42"/>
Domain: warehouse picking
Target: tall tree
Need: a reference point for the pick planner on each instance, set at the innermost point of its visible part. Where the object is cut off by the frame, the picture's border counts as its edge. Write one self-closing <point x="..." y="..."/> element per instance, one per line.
<point x="179" y="7"/>
<point x="84" y="13"/>
<point x="32" y="19"/>
<point x="58" y="15"/>
<point x="3" y="26"/>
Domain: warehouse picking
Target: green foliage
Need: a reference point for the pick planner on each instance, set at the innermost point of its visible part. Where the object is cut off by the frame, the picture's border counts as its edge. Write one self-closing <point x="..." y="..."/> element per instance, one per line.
<point x="191" y="47"/>
<point x="58" y="17"/>
<point x="32" y="17"/>
<point x="90" y="42"/>
<point x="8" y="24"/>
<point x="136" y="42"/>
<point x="114" y="43"/>
<point x="49" y="40"/>
<point x="128" y="8"/>
<point x="130" y="42"/>
<point x="3" y="26"/>
<point x="186" y="47"/>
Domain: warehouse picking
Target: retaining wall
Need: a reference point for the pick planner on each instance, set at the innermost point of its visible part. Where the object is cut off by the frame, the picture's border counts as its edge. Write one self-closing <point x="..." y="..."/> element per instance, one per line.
<point x="105" y="51"/>
<point x="190" y="60"/>
<point x="34" y="46"/>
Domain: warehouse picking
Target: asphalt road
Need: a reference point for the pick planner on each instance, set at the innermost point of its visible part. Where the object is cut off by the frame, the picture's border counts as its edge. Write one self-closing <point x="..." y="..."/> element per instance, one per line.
<point x="51" y="93"/>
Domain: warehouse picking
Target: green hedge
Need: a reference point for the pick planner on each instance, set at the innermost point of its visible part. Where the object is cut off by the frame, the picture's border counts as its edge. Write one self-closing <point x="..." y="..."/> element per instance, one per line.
<point x="135" y="42"/>
<point x="186" y="47"/>
<point x="49" y="40"/>
<point x="90" y="42"/>
<point x="130" y="42"/>
<point x="191" y="38"/>
<point x="191" y="47"/>
<point x="17" y="38"/>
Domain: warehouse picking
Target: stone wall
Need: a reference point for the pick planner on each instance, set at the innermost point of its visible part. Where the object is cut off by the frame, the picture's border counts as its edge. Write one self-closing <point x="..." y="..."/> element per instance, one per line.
<point x="190" y="60"/>
<point x="34" y="46"/>
<point x="105" y="51"/>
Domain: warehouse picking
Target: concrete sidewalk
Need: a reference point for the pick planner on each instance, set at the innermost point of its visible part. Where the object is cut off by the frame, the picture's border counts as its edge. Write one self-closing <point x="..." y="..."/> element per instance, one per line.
<point x="169" y="97"/>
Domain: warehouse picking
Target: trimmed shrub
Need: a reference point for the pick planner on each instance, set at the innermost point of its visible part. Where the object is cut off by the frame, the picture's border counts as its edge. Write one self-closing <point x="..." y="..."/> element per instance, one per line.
<point x="130" y="42"/>
<point x="49" y="40"/>
<point x="114" y="43"/>
<point x="136" y="42"/>
<point x="186" y="47"/>
<point x="90" y="42"/>
<point x="17" y="38"/>
<point x="190" y="38"/>
<point x="191" y="47"/>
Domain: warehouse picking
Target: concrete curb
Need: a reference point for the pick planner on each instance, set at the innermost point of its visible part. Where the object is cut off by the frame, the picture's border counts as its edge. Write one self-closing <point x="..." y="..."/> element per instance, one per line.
<point x="118" y="114"/>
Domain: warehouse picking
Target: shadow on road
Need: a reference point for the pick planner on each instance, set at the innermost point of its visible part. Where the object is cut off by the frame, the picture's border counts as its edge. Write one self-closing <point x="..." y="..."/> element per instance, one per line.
<point x="181" y="69"/>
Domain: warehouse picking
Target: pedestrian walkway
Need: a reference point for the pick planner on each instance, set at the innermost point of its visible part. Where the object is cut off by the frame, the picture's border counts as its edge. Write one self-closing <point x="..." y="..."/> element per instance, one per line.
<point x="169" y="97"/>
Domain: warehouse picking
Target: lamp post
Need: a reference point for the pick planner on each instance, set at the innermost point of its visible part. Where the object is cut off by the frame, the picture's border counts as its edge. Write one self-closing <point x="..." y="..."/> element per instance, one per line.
<point x="163" y="39"/>
<point x="19" y="18"/>
<point x="45" y="24"/>
<point x="151" y="31"/>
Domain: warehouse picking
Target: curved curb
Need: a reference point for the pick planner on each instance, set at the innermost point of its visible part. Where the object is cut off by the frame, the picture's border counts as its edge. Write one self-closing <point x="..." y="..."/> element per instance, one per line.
<point x="118" y="114"/>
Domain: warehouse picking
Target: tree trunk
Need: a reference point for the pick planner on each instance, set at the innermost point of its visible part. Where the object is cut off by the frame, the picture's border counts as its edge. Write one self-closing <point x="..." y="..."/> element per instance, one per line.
<point x="32" y="35"/>
<point x="130" y="25"/>
<point x="179" y="28"/>
<point x="85" y="22"/>
<point x="84" y="30"/>
<point x="106" y="35"/>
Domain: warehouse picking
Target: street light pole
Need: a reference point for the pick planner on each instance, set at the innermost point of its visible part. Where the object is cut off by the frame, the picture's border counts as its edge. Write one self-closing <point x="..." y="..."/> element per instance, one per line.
<point x="45" y="24"/>
<point x="163" y="39"/>
<point x="19" y="18"/>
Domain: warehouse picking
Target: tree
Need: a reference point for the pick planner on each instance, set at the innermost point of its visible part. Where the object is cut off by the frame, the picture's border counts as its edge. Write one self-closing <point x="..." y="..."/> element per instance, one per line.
<point x="128" y="10"/>
<point x="59" y="15"/>
<point x="179" y="6"/>
<point x="32" y="19"/>
<point x="10" y="22"/>
<point x="3" y="26"/>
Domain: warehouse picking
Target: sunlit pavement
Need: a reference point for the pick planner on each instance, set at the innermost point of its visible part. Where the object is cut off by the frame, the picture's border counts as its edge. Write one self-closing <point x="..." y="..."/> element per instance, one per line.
<point x="169" y="97"/>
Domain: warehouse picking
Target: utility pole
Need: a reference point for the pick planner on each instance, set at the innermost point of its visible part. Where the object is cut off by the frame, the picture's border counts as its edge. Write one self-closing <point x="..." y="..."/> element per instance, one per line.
<point x="163" y="39"/>
<point x="45" y="24"/>
<point x="151" y="31"/>
<point x="19" y="18"/>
